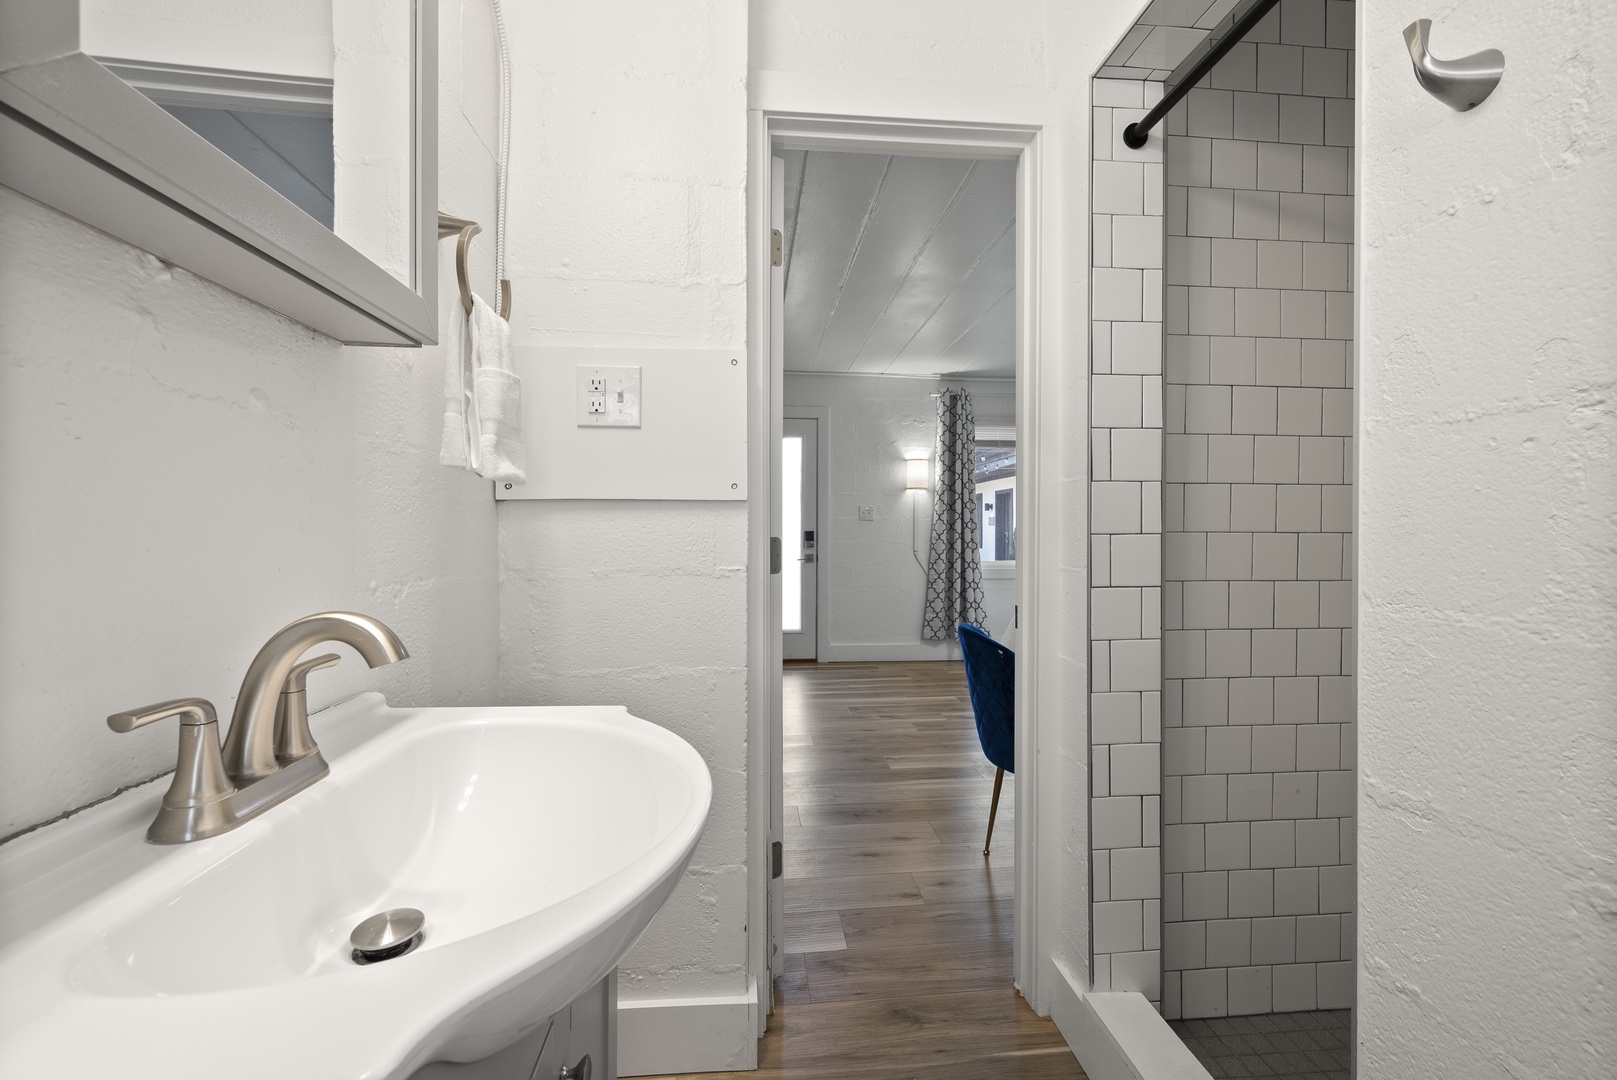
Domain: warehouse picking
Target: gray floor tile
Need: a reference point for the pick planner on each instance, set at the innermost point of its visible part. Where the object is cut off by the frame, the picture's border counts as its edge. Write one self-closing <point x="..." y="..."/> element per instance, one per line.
<point x="1275" y="1046"/>
<point x="1284" y="1042"/>
<point x="1238" y="1044"/>
<point x="1261" y="1044"/>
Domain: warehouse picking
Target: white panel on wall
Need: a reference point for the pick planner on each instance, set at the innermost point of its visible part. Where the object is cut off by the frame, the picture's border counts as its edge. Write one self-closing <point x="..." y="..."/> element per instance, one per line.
<point x="691" y="442"/>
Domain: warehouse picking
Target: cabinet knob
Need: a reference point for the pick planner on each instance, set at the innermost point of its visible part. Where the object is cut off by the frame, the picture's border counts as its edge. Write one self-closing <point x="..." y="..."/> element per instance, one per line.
<point x="581" y="1071"/>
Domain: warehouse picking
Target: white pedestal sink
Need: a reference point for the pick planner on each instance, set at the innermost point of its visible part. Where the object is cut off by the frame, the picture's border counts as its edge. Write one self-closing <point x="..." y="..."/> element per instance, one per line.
<point x="539" y="842"/>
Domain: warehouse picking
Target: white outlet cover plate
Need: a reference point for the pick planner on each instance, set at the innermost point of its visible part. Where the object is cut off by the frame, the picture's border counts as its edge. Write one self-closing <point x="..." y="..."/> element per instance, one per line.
<point x="608" y="396"/>
<point x="867" y="513"/>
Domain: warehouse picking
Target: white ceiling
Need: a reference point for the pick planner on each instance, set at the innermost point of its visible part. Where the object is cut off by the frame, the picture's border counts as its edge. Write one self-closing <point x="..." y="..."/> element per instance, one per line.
<point x="899" y="265"/>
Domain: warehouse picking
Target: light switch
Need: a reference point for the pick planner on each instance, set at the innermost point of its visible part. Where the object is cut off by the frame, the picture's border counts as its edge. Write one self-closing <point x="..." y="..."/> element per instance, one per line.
<point x="867" y="513"/>
<point x="608" y="396"/>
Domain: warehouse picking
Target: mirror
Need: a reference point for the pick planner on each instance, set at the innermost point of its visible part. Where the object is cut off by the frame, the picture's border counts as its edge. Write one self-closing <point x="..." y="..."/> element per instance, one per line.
<point x="286" y="149"/>
<point x="254" y="80"/>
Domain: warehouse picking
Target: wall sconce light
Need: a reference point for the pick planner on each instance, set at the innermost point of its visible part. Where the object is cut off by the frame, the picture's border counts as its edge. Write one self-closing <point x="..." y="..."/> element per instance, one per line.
<point x="917" y="474"/>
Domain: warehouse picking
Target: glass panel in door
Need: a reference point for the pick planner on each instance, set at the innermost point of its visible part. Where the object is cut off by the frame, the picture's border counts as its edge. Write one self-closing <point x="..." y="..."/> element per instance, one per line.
<point x="799" y="575"/>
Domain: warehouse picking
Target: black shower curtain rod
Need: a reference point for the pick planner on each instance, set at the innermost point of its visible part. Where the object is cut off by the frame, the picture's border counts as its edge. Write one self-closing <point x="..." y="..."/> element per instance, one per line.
<point x="1134" y="135"/>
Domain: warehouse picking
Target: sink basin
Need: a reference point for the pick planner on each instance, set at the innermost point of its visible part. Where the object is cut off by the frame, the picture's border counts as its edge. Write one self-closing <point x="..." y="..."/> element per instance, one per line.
<point x="539" y="842"/>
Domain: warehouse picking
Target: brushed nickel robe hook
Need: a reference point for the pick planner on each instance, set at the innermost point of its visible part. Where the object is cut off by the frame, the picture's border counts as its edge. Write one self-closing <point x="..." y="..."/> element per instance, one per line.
<point x="449" y="225"/>
<point x="1460" y="84"/>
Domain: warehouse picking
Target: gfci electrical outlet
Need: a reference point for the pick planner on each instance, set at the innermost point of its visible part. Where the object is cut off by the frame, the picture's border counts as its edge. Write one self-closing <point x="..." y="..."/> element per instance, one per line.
<point x="608" y="396"/>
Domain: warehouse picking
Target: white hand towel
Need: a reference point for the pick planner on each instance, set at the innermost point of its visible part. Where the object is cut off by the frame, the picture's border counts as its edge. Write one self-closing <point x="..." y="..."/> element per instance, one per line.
<point x="483" y="400"/>
<point x="458" y="402"/>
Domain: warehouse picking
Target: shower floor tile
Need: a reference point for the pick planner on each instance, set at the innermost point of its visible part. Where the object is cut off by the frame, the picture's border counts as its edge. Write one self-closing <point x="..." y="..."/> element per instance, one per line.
<point x="1281" y="1046"/>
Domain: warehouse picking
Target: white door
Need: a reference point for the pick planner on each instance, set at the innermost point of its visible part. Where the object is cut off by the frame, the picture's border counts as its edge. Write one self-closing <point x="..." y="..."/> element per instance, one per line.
<point x="799" y="538"/>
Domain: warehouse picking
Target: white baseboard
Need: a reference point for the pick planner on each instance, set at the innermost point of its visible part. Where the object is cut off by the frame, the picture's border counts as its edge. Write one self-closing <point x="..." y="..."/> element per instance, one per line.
<point x="688" y="1035"/>
<point x="1067" y="1004"/>
<point x="873" y="652"/>
<point x="1120" y="1036"/>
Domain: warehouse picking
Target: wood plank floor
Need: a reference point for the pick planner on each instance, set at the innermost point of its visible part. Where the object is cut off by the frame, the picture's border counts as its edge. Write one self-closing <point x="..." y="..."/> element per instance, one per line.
<point x="898" y="930"/>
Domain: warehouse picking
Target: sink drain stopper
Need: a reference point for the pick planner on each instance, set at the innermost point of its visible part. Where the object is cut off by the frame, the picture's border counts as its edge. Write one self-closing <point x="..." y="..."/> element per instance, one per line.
<point x="387" y="934"/>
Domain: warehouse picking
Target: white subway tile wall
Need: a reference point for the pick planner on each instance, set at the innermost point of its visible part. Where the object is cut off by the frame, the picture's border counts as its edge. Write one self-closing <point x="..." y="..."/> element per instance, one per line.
<point x="1257" y="420"/>
<point x="1127" y="414"/>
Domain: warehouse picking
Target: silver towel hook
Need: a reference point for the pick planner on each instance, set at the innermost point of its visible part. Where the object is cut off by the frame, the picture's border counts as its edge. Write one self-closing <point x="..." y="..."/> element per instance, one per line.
<point x="449" y="225"/>
<point x="1460" y="84"/>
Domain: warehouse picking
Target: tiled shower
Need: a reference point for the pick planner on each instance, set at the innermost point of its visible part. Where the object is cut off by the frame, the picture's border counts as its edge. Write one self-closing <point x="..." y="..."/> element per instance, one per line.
<point x="1223" y="284"/>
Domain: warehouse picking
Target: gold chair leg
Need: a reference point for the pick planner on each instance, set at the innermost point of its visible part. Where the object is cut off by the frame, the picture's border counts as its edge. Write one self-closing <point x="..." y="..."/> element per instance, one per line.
<point x="993" y="809"/>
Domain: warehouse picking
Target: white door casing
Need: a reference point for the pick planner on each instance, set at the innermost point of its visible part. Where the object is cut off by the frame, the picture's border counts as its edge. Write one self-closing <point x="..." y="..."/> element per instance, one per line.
<point x="830" y="112"/>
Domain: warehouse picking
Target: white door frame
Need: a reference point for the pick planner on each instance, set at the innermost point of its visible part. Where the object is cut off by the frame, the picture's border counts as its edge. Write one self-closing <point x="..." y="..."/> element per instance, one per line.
<point x="901" y="116"/>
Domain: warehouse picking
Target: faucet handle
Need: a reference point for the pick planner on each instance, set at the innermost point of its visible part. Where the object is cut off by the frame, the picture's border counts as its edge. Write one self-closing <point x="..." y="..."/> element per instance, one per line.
<point x="298" y="678"/>
<point x="192" y="711"/>
<point x="293" y="739"/>
<point x="197" y="802"/>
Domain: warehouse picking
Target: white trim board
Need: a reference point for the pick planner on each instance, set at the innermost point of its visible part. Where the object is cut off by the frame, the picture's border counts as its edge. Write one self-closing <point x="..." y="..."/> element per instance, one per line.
<point x="689" y="1035"/>
<point x="1120" y="1035"/>
<point x="1006" y="380"/>
<point x="903" y="101"/>
<point x="878" y="651"/>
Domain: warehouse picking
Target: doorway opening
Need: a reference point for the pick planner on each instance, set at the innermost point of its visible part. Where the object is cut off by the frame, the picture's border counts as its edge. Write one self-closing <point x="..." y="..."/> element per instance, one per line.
<point x="897" y="280"/>
<point x="880" y="786"/>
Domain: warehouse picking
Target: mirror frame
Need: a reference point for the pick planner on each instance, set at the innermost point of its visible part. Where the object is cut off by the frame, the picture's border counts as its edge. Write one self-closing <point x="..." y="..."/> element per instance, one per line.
<point x="76" y="137"/>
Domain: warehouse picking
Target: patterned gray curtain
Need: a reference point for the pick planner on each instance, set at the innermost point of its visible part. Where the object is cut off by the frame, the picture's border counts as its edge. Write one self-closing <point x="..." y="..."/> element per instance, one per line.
<point x="954" y="576"/>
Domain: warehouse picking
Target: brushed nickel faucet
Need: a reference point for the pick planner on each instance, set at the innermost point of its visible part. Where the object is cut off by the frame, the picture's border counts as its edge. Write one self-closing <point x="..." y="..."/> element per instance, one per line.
<point x="269" y="754"/>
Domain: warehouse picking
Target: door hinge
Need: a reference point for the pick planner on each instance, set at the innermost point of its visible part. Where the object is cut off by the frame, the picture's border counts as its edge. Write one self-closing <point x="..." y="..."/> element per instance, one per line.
<point x="776" y="858"/>
<point x="774" y="554"/>
<point x="777" y="248"/>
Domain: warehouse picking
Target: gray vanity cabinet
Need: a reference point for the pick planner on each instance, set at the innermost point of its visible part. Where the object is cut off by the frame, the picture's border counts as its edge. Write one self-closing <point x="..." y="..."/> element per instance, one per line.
<point x="594" y="1017"/>
<point x="589" y="1026"/>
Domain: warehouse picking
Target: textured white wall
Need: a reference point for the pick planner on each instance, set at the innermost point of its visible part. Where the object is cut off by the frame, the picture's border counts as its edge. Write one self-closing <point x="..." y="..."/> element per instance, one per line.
<point x="875" y="591"/>
<point x="627" y="229"/>
<point x="962" y="41"/>
<point x="1488" y="552"/>
<point x="182" y="472"/>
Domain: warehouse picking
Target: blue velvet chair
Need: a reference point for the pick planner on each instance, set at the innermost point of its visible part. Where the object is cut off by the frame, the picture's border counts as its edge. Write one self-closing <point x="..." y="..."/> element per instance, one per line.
<point x="991" y="681"/>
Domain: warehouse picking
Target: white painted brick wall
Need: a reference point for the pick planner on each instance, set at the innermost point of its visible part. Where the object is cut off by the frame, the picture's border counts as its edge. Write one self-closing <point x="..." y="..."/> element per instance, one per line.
<point x="1488" y="578"/>
<point x="183" y="472"/>
<point x="627" y="228"/>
